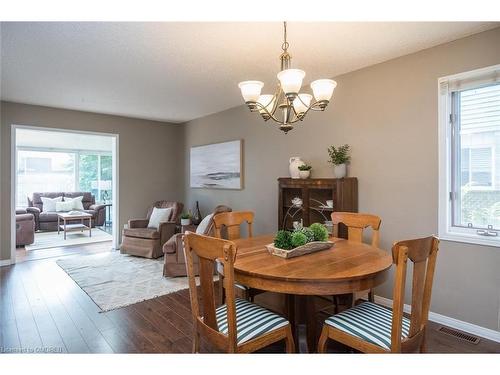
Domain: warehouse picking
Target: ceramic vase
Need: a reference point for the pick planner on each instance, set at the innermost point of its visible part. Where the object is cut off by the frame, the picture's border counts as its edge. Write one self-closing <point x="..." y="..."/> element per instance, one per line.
<point x="295" y="161"/>
<point x="185" y="221"/>
<point x="340" y="171"/>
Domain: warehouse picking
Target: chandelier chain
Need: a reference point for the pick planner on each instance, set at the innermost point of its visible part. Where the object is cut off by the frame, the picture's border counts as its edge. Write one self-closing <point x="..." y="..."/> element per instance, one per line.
<point x="285" y="44"/>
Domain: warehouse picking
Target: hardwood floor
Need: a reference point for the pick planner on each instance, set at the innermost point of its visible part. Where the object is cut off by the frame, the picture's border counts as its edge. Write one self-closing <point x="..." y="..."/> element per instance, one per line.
<point x="43" y="310"/>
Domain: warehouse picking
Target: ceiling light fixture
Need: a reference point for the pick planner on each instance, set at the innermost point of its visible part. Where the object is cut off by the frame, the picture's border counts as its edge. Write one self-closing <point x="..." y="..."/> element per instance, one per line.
<point x="287" y="105"/>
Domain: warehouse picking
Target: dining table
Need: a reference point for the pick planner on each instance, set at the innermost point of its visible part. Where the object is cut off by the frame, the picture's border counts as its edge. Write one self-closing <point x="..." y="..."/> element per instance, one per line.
<point x="345" y="268"/>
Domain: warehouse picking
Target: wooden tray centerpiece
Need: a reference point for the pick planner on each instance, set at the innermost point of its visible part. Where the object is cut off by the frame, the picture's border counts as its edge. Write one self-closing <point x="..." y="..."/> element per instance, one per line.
<point x="300" y="242"/>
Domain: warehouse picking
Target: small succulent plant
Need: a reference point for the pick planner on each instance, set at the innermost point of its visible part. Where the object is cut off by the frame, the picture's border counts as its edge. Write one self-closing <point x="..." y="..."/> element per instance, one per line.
<point x="320" y="232"/>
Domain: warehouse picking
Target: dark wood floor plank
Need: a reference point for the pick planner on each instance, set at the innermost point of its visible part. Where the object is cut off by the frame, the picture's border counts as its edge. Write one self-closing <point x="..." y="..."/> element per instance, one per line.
<point x="182" y="323"/>
<point x="44" y="274"/>
<point x="26" y="326"/>
<point x="49" y="334"/>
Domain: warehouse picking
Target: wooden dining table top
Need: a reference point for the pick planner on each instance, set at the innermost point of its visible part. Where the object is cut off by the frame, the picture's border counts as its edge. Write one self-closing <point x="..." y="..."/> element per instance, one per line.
<point x="346" y="267"/>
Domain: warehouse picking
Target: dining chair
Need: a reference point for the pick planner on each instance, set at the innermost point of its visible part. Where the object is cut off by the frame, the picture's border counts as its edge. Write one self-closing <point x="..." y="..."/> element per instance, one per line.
<point x="238" y="326"/>
<point x="228" y="225"/>
<point x="356" y="223"/>
<point x="371" y="328"/>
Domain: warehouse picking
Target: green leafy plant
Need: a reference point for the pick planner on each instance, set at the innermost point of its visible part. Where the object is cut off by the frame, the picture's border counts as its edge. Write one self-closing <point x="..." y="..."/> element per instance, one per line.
<point x="186" y="215"/>
<point x="308" y="233"/>
<point x="339" y="155"/>
<point x="305" y="167"/>
<point x="320" y="232"/>
<point x="298" y="239"/>
<point x="283" y="240"/>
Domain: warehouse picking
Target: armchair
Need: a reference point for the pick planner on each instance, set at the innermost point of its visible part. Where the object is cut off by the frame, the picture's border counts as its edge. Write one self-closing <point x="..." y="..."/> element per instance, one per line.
<point x="25" y="228"/>
<point x="175" y="263"/>
<point x="139" y="240"/>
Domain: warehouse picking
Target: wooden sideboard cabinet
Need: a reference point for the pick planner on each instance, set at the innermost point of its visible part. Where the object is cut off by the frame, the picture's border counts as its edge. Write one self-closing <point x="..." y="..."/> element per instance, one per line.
<point x="314" y="192"/>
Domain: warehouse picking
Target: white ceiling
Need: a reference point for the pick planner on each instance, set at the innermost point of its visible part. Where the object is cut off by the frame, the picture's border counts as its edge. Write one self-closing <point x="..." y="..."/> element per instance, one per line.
<point x="180" y="71"/>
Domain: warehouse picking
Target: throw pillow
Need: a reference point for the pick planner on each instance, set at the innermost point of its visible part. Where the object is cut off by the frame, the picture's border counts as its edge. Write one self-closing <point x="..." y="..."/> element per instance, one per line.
<point x="159" y="215"/>
<point x="64" y="206"/>
<point x="202" y="228"/>
<point x="77" y="202"/>
<point x="49" y="204"/>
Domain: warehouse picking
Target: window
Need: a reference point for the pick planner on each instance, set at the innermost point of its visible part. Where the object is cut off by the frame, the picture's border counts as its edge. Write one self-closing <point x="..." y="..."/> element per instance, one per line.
<point x="469" y="149"/>
<point x="40" y="170"/>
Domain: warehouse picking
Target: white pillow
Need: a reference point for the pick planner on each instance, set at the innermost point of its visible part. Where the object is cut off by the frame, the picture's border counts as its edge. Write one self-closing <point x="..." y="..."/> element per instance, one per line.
<point x="159" y="215"/>
<point x="202" y="227"/>
<point x="49" y="204"/>
<point x="64" y="206"/>
<point x="77" y="202"/>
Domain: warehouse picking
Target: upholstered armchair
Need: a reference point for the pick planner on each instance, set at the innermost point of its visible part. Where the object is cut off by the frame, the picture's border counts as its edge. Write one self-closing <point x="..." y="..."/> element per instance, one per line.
<point x="139" y="240"/>
<point x="25" y="228"/>
<point x="175" y="263"/>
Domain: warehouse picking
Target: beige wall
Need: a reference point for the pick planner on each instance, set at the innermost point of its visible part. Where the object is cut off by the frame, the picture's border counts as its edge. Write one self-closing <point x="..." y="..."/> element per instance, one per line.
<point x="148" y="153"/>
<point x="388" y="114"/>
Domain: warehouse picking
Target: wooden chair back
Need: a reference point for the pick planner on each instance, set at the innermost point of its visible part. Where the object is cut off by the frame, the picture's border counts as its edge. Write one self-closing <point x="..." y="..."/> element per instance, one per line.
<point x="232" y="222"/>
<point x="356" y="223"/>
<point x="423" y="253"/>
<point x="208" y="250"/>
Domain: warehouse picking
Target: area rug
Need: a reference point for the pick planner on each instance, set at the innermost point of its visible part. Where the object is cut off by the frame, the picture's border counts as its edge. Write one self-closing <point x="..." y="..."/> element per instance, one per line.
<point x="115" y="280"/>
<point x="47" y="240"/>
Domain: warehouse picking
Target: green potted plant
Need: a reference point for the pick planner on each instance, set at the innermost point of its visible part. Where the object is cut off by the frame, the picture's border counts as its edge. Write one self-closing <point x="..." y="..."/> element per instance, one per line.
<point x="304" y="171"/>
<point x="339" y="157"/>
<point x="186" y="218"/>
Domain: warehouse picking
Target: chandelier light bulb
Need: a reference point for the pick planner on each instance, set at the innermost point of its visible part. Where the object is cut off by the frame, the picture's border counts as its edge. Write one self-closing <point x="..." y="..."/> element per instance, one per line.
<point x="291" y="80"/>
<point x="250" y="90"/>
<point x="323" y="89"/>
<point x="302" y="103"/>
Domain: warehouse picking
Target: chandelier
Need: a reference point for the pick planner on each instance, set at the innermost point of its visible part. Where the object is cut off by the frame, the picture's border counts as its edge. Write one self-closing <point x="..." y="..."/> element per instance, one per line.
<point x="287" y="105"/>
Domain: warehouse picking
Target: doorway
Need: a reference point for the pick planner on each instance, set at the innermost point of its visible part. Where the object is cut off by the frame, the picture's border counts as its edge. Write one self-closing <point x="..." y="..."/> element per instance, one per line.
<point x="64" y="188"/>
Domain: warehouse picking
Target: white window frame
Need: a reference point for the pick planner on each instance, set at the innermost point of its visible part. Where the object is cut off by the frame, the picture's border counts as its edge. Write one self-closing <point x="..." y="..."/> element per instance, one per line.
<point x="446" y="231"/>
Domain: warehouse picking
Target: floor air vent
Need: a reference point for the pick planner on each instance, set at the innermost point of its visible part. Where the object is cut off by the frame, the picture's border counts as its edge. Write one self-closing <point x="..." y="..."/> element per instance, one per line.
<point x="460" y="335"/>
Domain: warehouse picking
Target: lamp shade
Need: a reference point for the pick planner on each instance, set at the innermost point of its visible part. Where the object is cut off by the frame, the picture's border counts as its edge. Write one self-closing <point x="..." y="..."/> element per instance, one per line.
<point x="302" y="102"/>
<point x="267" y="101"/>
<point x="323" y="88"/>
<point x="291" y="80"/>
<point x="250" y="90"/>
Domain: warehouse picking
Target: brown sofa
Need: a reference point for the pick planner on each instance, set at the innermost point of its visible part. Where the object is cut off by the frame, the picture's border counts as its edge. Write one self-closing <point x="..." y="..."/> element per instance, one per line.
<point x="46" y="220"/>
<point x="175" y="263"/>
<point x="139" y="240"/>
<point x="25" y="228"/>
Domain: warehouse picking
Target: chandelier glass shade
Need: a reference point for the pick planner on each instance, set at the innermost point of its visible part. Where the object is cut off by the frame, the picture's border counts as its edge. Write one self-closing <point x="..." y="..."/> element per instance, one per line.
<point x="287" y="105"/>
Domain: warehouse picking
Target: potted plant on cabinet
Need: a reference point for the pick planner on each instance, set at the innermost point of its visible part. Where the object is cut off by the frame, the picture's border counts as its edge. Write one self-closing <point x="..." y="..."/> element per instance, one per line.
<point x="186" y="218"/>
<point x="339" y="157"/>
<point x="304" y="171"/>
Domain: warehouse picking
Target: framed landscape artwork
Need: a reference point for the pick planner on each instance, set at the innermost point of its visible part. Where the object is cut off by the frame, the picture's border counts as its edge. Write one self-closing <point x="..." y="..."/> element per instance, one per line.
<point x="217" y="166"/>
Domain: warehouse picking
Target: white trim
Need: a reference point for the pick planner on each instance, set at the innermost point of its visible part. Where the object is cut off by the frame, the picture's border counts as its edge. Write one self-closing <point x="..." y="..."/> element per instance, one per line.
<point x="445" y="230"/>
<point x="474" y="329"/>
<point x="5" y="262"/>
<point x="13" y="164"/>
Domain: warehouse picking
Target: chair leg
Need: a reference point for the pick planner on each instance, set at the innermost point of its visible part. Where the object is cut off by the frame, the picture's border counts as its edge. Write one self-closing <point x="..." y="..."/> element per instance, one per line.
<point x="196" y="342"/>
<point x="423" y="346"/>
<point x="289" y="343"/>
<point x="323" y="339"/>
<point x="371" y="296"/>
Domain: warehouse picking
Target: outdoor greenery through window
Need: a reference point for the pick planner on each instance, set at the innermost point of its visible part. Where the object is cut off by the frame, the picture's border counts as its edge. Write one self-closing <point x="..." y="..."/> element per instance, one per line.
<point x="476" y="158"/>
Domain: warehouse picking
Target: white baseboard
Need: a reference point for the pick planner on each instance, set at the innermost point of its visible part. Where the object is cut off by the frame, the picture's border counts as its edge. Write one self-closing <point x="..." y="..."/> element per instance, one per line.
<point x="5" y="262"/>
<point x="483" y="332"/>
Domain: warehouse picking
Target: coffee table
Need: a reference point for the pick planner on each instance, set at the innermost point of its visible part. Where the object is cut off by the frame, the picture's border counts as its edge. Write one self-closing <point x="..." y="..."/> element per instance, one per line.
<point x="65" y="217"/>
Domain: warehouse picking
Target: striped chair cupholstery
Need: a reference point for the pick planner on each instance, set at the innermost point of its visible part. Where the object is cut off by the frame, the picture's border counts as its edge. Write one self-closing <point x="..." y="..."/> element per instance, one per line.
<point x="251" y="320"/>
<point x="369" y="322"/>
